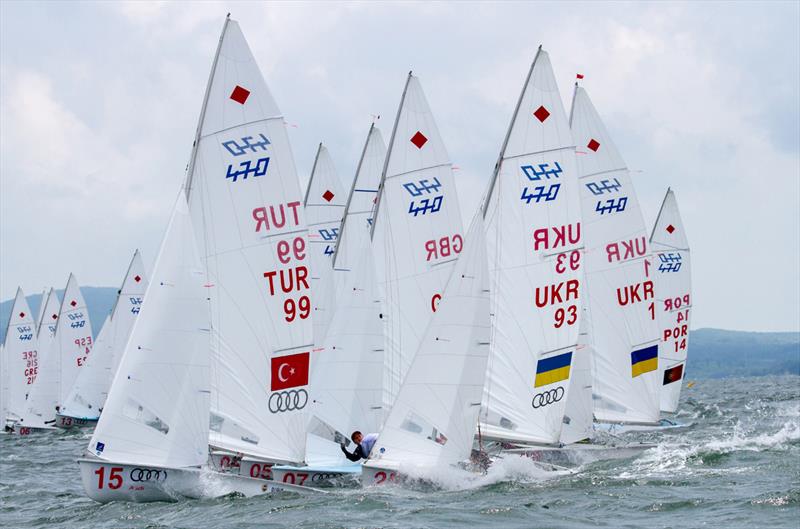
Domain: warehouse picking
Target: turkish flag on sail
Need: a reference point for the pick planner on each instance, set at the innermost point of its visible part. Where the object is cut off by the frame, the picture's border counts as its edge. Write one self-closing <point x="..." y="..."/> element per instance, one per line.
<point x="289" y="371"/>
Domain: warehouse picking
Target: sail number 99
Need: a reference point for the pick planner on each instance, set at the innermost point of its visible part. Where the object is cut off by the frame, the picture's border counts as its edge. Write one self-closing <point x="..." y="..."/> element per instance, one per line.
<point x="300" y="308"/>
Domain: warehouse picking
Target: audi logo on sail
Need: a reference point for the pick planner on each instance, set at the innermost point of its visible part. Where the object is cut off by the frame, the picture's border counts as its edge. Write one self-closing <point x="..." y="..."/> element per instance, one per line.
<point x="290" y="400"/>
<point x="148" y="474"/>
<point x="547" y="397"/>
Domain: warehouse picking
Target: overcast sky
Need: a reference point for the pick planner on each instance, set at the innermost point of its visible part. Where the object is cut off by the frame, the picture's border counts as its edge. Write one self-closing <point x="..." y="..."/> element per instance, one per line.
<point x="99" y="104"/>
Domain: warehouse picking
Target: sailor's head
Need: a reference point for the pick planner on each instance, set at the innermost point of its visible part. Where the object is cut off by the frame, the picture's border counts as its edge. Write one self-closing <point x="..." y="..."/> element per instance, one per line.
<point x="356" y="437"/>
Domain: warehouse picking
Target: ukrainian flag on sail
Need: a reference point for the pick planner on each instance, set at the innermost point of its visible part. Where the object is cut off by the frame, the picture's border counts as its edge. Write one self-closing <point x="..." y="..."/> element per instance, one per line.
<point x="553" y="369"/>
<point x="644" y="360"/>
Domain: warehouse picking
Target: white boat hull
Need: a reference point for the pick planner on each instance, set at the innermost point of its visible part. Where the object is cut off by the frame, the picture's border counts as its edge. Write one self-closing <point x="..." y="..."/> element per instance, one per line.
<point x="17" y="429"/>
<point x="620" y="428"/>
<point x="577" y="454"/>
<point x="106" y="481"/>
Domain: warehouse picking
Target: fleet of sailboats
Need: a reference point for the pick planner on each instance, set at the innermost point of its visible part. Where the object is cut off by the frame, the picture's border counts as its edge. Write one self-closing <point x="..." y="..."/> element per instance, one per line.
<point x="274" y="323"/>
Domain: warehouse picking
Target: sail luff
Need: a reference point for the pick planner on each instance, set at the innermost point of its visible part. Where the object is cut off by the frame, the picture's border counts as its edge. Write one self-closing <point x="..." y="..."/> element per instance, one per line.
<point x="195" y="144"/>
<point x="388" y="156"/>
<point x="514" y="115"/>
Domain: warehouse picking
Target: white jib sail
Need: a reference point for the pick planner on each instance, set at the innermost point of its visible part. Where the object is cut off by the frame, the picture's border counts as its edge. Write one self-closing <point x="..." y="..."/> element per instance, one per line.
<point x="157" y="412"/>
<point x="434" y="417"/>
<point x="22" y="355"/>
<point x="578" y="412"/>
<point x="618" y="276"/>
<point x="43" y="398"/>
<point x="88" y="394"/>
<point x="73" y="340"/>
<point x="3" y="386"/>
<point x="673" y="278"/>
<point x="324" y="203"/>
<point x="42" y="306"/>
<point x="348" y="376"/>
<point x="246" y="204"/>
<point x="417" y="232"/>
<point x="533" y="227"/>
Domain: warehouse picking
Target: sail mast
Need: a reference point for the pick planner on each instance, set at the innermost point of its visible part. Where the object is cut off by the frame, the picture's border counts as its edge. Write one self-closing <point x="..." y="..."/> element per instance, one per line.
<point x="508" y="134"/>
<point x="193" y="157"/>
<point x="388" y="155"/>
<point x="311" y="178"/>
<point x="352" y="190"/>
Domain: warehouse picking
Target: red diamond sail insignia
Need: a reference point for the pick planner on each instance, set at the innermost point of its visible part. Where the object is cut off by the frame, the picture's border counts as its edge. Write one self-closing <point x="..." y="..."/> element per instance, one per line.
<point x="593" y="144"/>
<point x="419" y="139"/>
<point x="541" y="114"/>
<point x="21" y="314"/>
<point x="327" y="195"/>
<point x="137" y="279"/>
<point x="670" y="229"/>
<point x="55" y="316"/>
<point x="73" y="302"/>
<point x="240" y="94"/>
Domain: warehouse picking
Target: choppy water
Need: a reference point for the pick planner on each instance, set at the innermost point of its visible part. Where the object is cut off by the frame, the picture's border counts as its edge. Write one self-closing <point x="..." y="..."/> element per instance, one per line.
<point x="737" y="466"/>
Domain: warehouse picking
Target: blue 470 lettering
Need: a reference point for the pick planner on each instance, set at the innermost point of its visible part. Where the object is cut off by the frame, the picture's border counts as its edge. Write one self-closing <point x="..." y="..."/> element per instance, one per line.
<point x="427" y="204"/>
<point x="535" y="173"/>
<point x="246" y="169"/>
<point x="670" y="262"/>
<point x="136" y="302"/>
<point x="612" y="205"/>
<point x="605" y="186"/>
<point x="237" y="149"/>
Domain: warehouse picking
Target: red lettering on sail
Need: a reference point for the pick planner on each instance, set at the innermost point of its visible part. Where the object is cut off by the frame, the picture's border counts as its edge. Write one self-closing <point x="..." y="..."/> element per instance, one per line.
<point x="556" y="236"/>
<point x="625" y="250"/>
<point x="636" y="293"/>
<point x="275" y="217"/>
<point x="444" y="247"/>
<point x="553" y="294"/>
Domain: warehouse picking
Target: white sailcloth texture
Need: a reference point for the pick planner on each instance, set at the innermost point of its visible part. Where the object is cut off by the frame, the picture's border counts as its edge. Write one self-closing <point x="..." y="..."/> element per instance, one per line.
<point x="417" y="233"/>
<point x="157" y="412"/>
<point x="673" y="278"/>
<point x="578" y="412"/>
<point x="325" y="203"/>
<point x="618" y="276"/>
<point x="247" y="208"/>
<point x="348" y="376"/>
<point x="433" y="420"/>
<point x="88" y="394"/>
<point x="73" y="340"/>
<point x="43" y="398"/>
<point x="22" y="355"/>
<point x="533" y="227"/>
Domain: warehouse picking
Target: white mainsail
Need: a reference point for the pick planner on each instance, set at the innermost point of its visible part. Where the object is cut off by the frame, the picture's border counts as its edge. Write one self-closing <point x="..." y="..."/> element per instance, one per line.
<point x="618" y="276"/>
<point x="42" y="307"/>
<point x="88" y="394"/>
<point x="348" y="376"/>
<point x="533" y="222"/>
<point x="157" y="412"/>
<point x="246" y="204"/>
<point x="673" y="278"/>
<point x="43" y="398"/>
<point x="578" y="412"/>
<point x="432" y="422"/>
<point x="73" y="340"/>
<point x="417" y="232"/>
<point x="324" y="203"/>
<point x="22" y="356"/>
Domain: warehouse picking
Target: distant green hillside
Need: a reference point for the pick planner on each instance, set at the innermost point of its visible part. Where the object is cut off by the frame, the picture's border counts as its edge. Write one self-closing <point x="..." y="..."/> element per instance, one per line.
<point x="717" y="353"/>
<point x="713" y="353"/>
<point x="99" y="301"/>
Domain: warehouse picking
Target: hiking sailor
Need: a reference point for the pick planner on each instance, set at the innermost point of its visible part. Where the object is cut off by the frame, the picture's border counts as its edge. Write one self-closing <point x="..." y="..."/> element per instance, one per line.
<point x="364" y="444"/>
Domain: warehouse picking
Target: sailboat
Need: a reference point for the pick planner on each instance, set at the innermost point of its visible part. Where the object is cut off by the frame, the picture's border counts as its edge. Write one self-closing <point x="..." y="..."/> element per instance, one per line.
<point x="348" y="377"/>
<point x="673" y="299"/>
<point x="21" y="362"/>
<point x="416" y="233"/>
<point x="619" y="278"/>
<point x="85" y="401"/>
<point x="245" y="200"/>
<point x="535" y="246"/>
<point x="431" y="425"/>
<point x="324" y="203"/>
<point x="43" y="397"/>
<point x="151" y="442"/>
